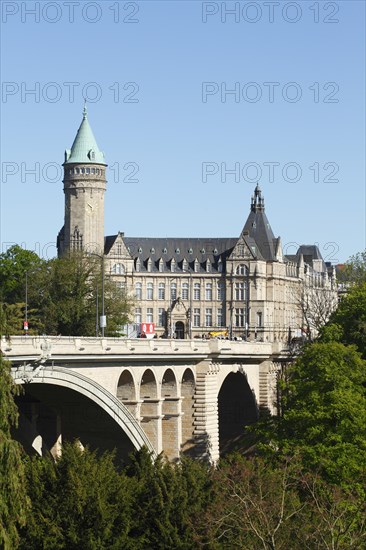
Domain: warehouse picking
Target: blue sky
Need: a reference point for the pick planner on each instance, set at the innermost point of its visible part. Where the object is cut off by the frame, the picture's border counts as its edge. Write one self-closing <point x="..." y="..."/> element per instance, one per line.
<point x="155" y="74"/>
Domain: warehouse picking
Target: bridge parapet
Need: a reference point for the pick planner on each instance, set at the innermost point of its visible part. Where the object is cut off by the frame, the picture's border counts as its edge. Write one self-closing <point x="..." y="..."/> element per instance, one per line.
<point x="28" y="348"/>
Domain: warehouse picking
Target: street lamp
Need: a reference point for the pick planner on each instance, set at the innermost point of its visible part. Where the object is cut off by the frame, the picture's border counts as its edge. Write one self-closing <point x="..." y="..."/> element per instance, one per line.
<point x="103" y="317"/>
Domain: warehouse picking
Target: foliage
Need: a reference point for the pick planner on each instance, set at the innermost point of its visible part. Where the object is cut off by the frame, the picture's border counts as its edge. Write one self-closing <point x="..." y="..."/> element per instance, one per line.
<point x="61" y="295"/>
<point x="351" y="317"/>
<point x="14" y="264"/>
<point x="168" y="501"/>
<point x="354" y="271"/>
<point x="13" y="498"/>
<point x="324" y="412"/>
<point x="81" y="501"/>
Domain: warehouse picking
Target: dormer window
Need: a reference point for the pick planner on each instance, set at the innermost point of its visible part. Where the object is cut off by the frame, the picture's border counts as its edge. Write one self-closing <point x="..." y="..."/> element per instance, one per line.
<point x="91" y="154"/>
<point x="152" y="251"/>
<point x="185" y="265"/>
<point x="173" y="265"/>
<point x="177" y="251"/>
<point x="190" y="251"/>
<point x="208" y="266"/>
<point x="138" y="264"/>
<point x="165" y="251"/>
<point x="161" y="266"/>
<point x="149" y="265"/>
<point x="196" y="266"/>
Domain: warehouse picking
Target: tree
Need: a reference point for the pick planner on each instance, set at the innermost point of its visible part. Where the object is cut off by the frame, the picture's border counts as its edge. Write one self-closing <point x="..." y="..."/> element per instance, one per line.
<point x="324" y="412"/>
<point x="350" y="318"/>
<point x="13" y="499"/>
<point x="14" y="264"/>
<point x="69" y="305"/>
<point x="79" y="501"/>
<point x="354" y="271"/>
<point x="316" y="305"/>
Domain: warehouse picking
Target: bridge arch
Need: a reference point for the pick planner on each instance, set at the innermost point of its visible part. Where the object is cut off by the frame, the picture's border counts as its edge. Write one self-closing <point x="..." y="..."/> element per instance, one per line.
<point x="66" y="378"/>
<point x="237" y="408"/>
<point x="187" y="393"/>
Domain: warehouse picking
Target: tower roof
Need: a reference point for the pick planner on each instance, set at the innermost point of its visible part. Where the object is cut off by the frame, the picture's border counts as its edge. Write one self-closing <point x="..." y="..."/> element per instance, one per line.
<point x="84" y="149"/>
<point x="258" y="227"/>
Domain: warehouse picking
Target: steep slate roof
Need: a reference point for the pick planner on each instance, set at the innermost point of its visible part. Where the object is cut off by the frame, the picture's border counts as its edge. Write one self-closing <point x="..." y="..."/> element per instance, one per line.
<point x="309" y="252"/>
<point x="259" y="229"/>
<point x="84" y="145"/>
<point x="176" y="248"/>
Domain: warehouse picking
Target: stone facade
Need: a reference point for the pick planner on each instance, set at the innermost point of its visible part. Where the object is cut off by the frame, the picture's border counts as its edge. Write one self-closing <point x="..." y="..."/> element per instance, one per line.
<point x="242" y="287"/>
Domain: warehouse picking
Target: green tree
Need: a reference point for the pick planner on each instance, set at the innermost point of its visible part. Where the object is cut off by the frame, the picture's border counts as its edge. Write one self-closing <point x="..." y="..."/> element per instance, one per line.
<point x="81" y="501"/>
<point x="350" y="317"/>
<point x="324" y="412"/>
<point x="354" y="271"/>
<point x="70" y="297"/>
<point x="14" y="264"/>
<point x="13" y="499"/>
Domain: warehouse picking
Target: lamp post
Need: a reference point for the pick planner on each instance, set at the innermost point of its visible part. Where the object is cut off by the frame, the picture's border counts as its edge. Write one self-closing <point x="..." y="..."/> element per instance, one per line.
<point x="103" y="317"/>
<point x="26" y="305"/>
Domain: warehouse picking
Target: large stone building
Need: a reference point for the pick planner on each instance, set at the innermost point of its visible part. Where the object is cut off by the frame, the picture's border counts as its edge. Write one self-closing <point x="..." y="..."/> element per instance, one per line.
<point x="242" y="286"/>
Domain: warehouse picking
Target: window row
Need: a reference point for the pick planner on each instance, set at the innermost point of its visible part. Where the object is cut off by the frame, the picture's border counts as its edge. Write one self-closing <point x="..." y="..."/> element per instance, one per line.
<point x="173" y="265"/>
<point x="86" y="170"/>
<point x="163" y="295"/>
<point x="206" y="316"/>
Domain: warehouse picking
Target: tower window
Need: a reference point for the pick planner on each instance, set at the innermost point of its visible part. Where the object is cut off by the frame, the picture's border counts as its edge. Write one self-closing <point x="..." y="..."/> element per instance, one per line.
<point x="88" y="170"/>
<point x="93" y="170"/>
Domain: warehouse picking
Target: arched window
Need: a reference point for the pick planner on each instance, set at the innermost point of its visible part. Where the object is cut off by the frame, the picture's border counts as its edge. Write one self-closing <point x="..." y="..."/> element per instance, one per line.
<point x="118" y="269"/>
<point x="242" y="270"/>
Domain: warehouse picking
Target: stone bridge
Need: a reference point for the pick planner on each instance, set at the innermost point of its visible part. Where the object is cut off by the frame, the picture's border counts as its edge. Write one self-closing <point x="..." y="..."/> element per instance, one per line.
<point x="174" y="396"/>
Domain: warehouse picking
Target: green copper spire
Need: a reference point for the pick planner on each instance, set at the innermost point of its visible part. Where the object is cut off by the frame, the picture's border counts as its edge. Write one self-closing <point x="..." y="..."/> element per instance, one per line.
<point x="84" y="149"/>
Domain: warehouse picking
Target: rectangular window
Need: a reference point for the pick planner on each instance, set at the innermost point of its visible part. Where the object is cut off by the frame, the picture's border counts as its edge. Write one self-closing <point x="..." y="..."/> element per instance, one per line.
<point x="196" y="317"/>
<point x="239" y="291"/>
<point x="138" y="291"/>
<point x="208" y="294"/>
<point x="149" y="315"/>
<point x="208" y="317"/>
<point x="150" y="291"/>
<point x="220" y="318"/>
<point x="220" y="291"/>
<point x="197" y="291"/>
<point x="161" y="317"/>
<point x="259" y="319"/>
<point x="185" y="290"/>
<point x="161" y="294"/>
<point x="239" y="317"/>
<point x="173" y="291"/>
<point x="138" y="318"/>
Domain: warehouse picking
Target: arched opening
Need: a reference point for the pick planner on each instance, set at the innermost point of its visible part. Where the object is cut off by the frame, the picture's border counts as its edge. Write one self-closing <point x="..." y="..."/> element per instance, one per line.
<point x="237" y="409"/>
<point x="149" y="407"/>
<point x="170" y="414"/>
<point x="50" y="415"/>
<point x="126" y="391"/>
<point x="179" y="330"/>
<point x="187" y="393"/>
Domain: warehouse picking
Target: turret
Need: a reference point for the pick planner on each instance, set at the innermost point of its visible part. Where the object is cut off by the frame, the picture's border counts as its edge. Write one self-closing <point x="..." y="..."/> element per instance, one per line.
<point x="84" y="188"/>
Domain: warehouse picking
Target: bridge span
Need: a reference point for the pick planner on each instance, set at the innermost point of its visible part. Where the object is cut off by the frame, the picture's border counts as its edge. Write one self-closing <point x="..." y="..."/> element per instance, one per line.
<point x="174" y="396"/>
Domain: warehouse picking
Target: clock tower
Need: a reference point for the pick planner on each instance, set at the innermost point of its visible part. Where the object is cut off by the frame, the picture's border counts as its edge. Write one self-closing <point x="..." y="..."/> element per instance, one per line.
<point x="84" y="188"/>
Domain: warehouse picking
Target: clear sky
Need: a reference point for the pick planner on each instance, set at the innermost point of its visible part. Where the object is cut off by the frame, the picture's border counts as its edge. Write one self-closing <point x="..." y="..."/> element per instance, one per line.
<point x="158" y="76"/>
